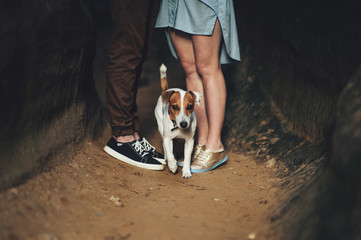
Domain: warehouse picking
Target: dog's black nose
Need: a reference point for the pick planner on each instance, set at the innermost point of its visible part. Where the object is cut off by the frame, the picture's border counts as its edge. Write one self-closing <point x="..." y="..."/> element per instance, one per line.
<point x="183" y="124"/>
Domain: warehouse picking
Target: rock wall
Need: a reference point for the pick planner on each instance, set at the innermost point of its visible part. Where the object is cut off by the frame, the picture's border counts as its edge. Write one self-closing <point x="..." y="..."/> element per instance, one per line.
<point x="47" y="97"/>
<point x="329" y="206"/>
<point x="305" y="53"/>
<point x="295" y="101"/>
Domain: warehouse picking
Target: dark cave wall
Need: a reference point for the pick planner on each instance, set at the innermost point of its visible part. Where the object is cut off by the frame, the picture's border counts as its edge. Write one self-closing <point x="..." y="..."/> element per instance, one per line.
<point x="298" y="56"/>
<point x="328" y="206"/>
<point x="47" y="97"/>
<point x="298" y="102"/>
<point x="340" y="212"/>
<point x="305" y="52"/>
<point x="335" y="207"/>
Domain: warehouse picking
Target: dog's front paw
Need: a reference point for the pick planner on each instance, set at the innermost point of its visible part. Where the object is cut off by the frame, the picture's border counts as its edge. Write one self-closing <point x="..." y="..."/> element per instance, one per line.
<point x="172" y="165"/>
<point x="186" y="173"/>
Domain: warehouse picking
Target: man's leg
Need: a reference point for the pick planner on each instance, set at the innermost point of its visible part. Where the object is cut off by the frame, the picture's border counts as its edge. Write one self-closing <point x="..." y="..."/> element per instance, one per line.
<point x="125" y="59"/>
<point x="127" y="52"/>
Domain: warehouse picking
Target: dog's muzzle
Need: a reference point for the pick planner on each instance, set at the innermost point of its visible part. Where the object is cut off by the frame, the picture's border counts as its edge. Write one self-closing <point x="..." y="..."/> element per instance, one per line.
<point x="183" y="124"/>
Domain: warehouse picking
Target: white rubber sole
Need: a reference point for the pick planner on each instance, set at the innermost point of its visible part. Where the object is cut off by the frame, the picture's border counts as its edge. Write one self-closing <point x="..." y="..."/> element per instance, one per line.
<point x="115" y="154"/>
<point x="161" y="160"/>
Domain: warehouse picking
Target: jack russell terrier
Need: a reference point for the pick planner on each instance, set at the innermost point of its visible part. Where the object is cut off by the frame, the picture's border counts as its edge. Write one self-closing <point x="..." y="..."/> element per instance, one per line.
<point x="176" y="119"/>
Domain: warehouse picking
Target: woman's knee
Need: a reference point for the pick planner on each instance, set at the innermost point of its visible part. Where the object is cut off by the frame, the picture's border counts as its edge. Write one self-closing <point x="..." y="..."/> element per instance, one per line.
<point x="206" y="68"/>
<point x="189" y="67"/>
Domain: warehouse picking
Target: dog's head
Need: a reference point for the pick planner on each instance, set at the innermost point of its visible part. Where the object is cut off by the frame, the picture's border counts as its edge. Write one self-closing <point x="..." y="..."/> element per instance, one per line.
<point x="181" y="105"/>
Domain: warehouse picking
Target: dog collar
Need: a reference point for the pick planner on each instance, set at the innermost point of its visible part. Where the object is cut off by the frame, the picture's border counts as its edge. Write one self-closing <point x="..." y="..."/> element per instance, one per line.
<point x="173" y="121"/>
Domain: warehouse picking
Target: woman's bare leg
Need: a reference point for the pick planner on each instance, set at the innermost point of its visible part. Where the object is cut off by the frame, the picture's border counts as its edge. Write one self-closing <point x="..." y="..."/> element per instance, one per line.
<point x="183" y="45"/>
<point x="206" y="50"/>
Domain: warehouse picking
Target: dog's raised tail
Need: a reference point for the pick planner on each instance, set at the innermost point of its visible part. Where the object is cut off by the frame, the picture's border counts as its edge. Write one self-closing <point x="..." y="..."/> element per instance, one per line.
<point x="163" y="77"/>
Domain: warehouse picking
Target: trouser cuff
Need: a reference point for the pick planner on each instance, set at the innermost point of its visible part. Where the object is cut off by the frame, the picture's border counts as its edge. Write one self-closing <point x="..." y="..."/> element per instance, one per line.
<point x="124" y="131"/>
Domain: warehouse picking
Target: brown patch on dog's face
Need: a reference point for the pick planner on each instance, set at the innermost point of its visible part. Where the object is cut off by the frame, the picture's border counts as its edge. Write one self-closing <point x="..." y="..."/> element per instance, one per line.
<point x="188" y="103"/>
<point x="166" y="96"/>
<point x="175" y="104"/>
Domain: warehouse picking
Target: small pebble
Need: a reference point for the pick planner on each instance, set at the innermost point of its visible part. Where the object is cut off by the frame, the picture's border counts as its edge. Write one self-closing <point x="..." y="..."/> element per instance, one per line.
<point x="14" y="191"/>
<point x="47" y="236"/>
<point x="270" y="163"/>
<point x="116" y="201"/>
<point x="252" y="236"/>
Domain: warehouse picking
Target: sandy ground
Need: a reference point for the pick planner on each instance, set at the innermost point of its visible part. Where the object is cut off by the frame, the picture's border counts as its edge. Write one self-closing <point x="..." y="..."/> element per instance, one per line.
<point x="95" y="196"/>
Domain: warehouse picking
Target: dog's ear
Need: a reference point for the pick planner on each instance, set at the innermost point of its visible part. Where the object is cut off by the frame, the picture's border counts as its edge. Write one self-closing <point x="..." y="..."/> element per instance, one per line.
<point x="166" y="96"/>
<point x="197" y="97"/>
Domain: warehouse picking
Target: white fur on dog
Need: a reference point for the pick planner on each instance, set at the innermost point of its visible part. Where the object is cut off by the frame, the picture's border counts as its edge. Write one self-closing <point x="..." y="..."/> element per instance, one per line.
<point x="166" y="129"/>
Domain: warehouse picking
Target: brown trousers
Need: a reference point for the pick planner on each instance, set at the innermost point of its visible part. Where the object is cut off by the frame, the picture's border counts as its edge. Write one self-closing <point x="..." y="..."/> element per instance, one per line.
<point x="134" y="22"/>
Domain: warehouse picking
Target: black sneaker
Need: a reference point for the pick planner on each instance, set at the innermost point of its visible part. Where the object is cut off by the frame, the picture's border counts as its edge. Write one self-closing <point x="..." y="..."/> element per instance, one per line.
<point x="148" y="147"/>
<point x="132" y="153"/>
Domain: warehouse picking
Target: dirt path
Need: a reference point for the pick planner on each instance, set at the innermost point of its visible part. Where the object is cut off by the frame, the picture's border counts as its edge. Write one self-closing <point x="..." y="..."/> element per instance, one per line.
<point x="97" y="197"/>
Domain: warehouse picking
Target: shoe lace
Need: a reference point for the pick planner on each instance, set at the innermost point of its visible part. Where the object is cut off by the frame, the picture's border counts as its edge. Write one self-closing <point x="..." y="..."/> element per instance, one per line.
<point x="147" y="146"/>
<point x="203" y="156"/>
<point x="138" y="147"/>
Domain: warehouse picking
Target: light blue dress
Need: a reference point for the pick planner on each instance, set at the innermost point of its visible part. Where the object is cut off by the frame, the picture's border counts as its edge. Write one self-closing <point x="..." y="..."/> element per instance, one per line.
<point x="198" y="17"/>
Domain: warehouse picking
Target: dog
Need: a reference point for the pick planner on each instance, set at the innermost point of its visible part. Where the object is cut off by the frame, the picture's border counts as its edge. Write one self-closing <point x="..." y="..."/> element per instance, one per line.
<point x="176" y="119"/>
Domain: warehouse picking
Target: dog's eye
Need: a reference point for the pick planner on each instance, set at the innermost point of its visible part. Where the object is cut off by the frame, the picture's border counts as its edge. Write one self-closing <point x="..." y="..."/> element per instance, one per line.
<point x="189" y="107"/>
<point x="175" y="107"/>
